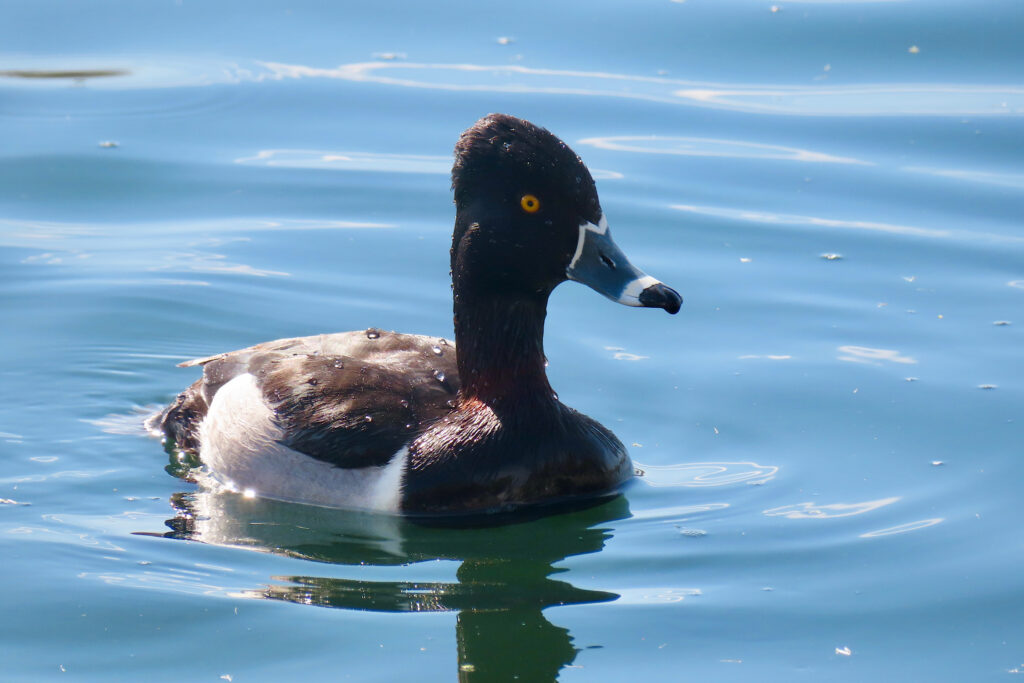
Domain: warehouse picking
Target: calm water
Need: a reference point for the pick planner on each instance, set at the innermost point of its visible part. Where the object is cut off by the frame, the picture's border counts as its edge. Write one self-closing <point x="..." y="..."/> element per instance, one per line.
<point x="831" y="430"/>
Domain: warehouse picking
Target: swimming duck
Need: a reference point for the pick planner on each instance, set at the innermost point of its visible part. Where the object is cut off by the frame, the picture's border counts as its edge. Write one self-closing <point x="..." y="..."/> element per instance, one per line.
<point x="423" y="426"/>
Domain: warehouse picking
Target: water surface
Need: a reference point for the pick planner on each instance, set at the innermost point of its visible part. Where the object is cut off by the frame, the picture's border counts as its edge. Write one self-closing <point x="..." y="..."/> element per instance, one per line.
<point x="830" y="430"/>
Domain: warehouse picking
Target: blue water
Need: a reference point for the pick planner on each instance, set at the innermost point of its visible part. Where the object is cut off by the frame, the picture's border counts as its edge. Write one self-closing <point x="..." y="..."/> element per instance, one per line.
<point x="830" y="430"/>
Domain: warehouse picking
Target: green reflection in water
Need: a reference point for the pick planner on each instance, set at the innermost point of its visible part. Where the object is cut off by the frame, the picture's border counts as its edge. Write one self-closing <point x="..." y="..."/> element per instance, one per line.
<point x="503" y="584"/>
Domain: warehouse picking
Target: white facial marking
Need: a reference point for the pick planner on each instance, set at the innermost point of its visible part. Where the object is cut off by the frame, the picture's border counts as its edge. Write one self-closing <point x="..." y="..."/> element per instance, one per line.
<point x="600" y="229"/>
<point x="631" y="294"/>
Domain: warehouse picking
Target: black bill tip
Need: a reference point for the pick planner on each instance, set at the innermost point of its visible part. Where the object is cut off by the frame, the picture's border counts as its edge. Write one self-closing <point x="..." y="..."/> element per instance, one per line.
<point x="661" y="296"/>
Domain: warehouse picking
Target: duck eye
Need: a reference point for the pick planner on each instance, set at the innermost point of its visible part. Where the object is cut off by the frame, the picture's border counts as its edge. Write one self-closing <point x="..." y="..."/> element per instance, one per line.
<point x="530" y="203"/>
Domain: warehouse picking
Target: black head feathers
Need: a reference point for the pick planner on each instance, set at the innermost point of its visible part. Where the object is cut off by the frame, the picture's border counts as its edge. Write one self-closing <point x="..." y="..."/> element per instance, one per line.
<point x="502" y="150"/>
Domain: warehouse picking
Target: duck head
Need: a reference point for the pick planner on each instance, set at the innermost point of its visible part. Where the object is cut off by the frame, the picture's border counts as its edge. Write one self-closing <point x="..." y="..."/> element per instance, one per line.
<point x="528" y="218"/>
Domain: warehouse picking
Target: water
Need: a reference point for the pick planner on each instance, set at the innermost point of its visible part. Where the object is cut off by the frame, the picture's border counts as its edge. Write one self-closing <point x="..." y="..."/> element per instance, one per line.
<point x="830" y="494"/>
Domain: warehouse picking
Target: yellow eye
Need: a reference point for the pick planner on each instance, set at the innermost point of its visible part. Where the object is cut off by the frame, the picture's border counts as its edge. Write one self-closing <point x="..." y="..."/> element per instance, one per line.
<point x="530" y="203"/>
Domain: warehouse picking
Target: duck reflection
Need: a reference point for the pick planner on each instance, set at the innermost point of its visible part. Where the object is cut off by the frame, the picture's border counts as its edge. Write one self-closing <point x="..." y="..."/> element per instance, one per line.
<point x="503" y="585"/>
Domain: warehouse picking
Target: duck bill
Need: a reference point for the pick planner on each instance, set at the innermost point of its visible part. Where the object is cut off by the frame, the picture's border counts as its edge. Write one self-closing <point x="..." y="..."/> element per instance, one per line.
<point x="601" y="265"/>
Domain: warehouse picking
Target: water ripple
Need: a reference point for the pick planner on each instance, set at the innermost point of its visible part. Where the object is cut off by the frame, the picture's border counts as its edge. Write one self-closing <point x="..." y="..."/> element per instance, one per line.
<point x="904" y="528"/>
<point x="870" y="356"/>
<point x="943" y="99"/>
<point x="786" y="219"/>
<point x="139" y="72"/>
<point x="706" y="474"/>
<point x="829" y="510"/>
<point x="349" y="161"/>
<point x="334" y="160"/>
<point x="713" y="147"/>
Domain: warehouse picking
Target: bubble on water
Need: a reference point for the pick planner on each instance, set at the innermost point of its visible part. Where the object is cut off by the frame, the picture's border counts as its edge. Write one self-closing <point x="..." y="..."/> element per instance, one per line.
<point x="312" y="381"/>
<point x="339" y="364"/>
<point x="403" y="403"/>
<point x="372" y="333"/>
<point x="436" y="349"/>
<point x="368" y="418"/>
<point x="439" y="374"/>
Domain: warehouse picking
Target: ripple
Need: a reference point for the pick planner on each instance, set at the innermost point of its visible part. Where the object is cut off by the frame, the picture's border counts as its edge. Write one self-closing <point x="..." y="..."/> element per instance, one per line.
<point x="870" y="356"/>
<point x="679" y="511"/>
<point x="816" y="221"/>
<point x="904" y="528"/>
<point x="349" y="161"/>
<point x="138" y="72"/>
<point x="335" y="160"/>
<point x="197" y="262"/>
<point x="128" y="424"/>
<point x="121" y="72"/>
<point x="943" y="99"/>
<point x="713" y="147"/>
<point x="791" y="220"/>
<point x="172" y="580"/>
<point x="702" y="474"/>
<point x="655" y="595"/>
<point x="620" y="353"/>
<point x="828" y="511"/>
<point x="137" y="86"/>
<point x="1015" y="180"/>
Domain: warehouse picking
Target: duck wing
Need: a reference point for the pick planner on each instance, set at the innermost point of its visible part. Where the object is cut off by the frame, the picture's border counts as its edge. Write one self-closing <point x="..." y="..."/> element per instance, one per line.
<point x="351" y="399"/>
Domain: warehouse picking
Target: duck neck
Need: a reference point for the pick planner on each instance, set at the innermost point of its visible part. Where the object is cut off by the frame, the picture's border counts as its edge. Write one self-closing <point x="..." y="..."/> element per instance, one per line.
<point x="500" y="348"/>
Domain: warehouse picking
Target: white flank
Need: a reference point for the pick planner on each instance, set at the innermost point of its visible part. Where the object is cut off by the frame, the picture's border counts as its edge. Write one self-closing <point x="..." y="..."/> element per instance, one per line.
<point x="239" y="444"/>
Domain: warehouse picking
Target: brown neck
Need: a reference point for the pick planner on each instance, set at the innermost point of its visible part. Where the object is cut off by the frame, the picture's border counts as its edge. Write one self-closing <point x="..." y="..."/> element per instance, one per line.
<point x="500" y="347"/>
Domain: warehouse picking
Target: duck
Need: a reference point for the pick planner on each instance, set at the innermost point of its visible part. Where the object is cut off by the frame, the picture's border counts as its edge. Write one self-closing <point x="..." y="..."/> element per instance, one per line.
<point x="419" y="426"/>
